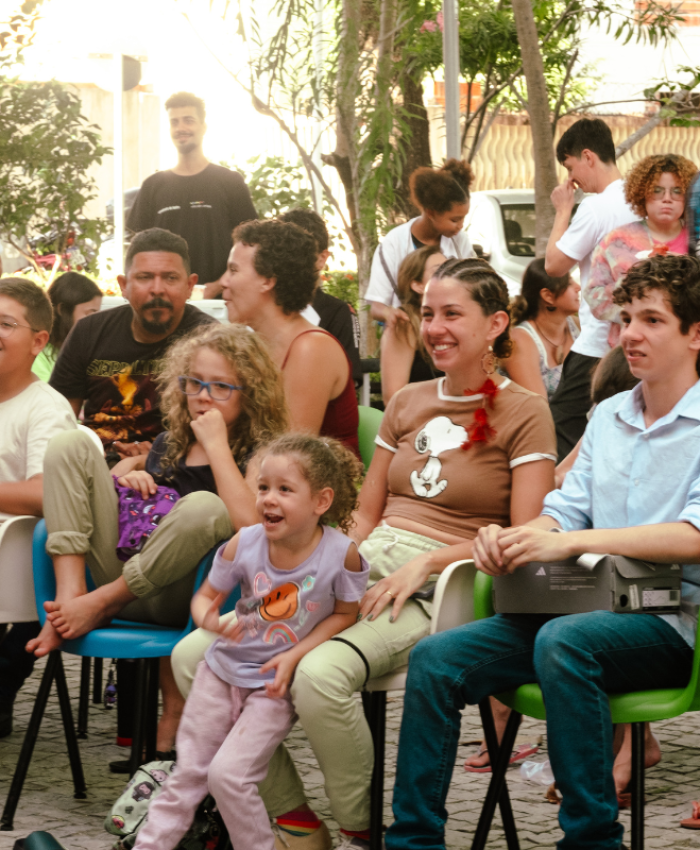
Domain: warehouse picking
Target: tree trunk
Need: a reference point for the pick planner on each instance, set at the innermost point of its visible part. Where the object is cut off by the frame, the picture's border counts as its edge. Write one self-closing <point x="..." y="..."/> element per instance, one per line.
<point x="538" y="110"/>
<point x="417" y="146"/>
<point x="346" y="155"/>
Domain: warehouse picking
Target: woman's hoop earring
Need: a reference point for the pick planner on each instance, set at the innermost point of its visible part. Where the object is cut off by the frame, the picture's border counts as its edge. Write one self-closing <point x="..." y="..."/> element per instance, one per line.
<point x="550" y="308"/>
<point x="488" y="362"/>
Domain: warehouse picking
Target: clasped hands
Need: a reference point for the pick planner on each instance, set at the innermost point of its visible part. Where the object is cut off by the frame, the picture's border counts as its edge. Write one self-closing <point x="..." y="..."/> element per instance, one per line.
<point x="499" y="551"/>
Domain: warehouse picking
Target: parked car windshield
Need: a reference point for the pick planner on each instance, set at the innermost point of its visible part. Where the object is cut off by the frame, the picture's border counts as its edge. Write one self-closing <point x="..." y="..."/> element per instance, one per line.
<point x="519" y="229"/>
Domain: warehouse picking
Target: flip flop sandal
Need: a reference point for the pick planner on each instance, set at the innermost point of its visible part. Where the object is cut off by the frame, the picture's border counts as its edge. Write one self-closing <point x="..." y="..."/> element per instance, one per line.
<point x="522" y="751"/>
<point x="694" y="822"/>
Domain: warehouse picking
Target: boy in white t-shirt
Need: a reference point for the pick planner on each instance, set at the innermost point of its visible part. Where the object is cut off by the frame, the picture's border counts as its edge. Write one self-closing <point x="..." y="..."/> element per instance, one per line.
<point x="31" y="412"/>
<point x="587" y="151"/>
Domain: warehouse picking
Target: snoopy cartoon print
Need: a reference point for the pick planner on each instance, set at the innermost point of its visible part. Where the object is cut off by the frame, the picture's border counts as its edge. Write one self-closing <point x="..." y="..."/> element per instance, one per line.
<point x="439" y="435"/>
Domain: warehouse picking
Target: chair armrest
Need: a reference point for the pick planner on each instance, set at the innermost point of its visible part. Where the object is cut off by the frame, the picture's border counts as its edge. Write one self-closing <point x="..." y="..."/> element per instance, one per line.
<point x="453" y="602"/>
<point x="483" y="596"/>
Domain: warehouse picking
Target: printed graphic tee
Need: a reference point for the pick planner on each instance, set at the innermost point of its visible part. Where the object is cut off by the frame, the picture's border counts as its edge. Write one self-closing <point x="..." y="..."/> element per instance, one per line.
<point x="278" y="607"/>
<point x="102" y="363"/>
<point x="203" y="208"/>
<point x="434" y="480"/>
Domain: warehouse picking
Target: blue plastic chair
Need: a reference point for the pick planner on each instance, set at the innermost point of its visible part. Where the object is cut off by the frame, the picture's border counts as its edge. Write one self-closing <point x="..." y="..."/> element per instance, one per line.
<point x="121" y="639"/>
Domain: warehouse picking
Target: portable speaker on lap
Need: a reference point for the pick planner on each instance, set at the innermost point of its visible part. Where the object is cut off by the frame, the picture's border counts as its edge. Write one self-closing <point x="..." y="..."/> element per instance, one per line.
<point x="590" y="583"/>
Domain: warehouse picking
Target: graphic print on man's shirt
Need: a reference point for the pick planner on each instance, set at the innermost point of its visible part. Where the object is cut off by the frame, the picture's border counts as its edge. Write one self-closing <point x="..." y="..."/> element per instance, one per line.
<point x="272" y="605"/>
<point x="124" y="394"/>
<point x="438" y="435"/>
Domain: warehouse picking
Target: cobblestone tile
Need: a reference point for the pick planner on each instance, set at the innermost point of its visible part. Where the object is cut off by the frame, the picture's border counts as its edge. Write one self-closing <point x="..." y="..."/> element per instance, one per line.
<point x="47" y="801"/>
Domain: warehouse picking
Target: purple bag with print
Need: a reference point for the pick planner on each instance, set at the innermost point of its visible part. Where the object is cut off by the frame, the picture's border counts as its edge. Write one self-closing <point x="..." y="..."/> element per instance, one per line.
<point x="139" y="517"/>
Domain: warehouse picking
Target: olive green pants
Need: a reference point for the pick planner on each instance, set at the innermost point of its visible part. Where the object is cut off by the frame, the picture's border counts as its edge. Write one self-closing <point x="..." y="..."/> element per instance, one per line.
<point x="81" y="512"/>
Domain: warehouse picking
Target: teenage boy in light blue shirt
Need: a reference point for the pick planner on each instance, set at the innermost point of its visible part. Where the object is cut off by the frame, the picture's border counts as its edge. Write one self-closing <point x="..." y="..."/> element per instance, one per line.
<point x="634" y="491"/>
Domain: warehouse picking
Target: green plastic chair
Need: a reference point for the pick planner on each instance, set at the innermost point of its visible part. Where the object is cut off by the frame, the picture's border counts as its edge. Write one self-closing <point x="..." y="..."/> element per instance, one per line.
<point x="637" y="708"/>
<point x="370" y="420"/>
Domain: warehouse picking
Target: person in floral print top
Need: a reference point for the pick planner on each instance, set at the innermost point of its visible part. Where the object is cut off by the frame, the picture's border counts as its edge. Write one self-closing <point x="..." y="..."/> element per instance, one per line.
<point x="655" y="189"/>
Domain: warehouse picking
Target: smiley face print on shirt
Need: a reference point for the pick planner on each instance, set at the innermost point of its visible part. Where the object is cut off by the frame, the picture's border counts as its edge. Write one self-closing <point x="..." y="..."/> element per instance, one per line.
<point x="281" y="603"/>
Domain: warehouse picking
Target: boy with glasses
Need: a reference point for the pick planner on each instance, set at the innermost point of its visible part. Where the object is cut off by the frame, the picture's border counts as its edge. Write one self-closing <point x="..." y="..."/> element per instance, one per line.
<point x="31" y="413"/>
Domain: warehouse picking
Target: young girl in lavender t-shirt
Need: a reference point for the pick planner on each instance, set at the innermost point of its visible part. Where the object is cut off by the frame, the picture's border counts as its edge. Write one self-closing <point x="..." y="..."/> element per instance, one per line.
<point x="301" y="582"/>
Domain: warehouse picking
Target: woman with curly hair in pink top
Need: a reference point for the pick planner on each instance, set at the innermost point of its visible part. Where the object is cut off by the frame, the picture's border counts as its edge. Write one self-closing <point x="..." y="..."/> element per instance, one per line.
<point x="655" y="188"/>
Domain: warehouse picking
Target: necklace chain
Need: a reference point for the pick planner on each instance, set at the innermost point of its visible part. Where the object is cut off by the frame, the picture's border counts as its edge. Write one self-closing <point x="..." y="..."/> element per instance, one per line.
<point x="558" y="346"/>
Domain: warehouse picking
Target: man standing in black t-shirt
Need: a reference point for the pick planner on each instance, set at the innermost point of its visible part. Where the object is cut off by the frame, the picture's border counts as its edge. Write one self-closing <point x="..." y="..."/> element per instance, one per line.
<point x="110" y="360"/>
<point x="200" y="201"/>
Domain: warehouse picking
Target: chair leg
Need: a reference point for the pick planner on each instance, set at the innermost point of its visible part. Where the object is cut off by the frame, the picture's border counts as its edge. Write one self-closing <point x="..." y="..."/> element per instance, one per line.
<point x="84" y="698"/>
<point x="637" y="836"/>
<point x="140" y="699"/>
<point x="498" y="790"/>
<point x="76" y="765"/>
<point x="376" y="705"/>
<point x="97" y="682"/>
<point x="152" y="708"/>
<point x="25" y="756"/>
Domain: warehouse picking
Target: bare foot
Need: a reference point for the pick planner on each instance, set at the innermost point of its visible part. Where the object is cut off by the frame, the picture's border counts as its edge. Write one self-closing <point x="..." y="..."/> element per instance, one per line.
<point x="622" y="769"/>
<point x="75" y="617"/>
<point x="46" y="641"/>
<point x="479" y="759"/>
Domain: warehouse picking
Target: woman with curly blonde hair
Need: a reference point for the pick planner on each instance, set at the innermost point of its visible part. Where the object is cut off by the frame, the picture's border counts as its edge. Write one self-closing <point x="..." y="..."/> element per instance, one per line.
<point x="222" y="395"/>
<point x="655" y="188"/>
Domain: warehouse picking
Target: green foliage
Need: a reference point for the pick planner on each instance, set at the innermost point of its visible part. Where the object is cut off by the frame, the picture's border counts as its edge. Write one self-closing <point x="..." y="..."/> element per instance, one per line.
<point x="679" y="99"/>
<point x="46" y="149"/>
<point x="344" y="285"/>
<point x="276" y="186"/>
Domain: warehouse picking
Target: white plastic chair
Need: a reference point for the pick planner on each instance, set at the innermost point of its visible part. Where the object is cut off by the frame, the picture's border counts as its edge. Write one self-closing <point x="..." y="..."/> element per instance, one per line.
<point x="17" y="603"/>
<point x="453" y="605"/>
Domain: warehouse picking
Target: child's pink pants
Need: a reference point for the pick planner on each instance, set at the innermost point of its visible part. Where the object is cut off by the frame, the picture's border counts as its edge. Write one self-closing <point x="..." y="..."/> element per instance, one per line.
<point x="224" y="743"/>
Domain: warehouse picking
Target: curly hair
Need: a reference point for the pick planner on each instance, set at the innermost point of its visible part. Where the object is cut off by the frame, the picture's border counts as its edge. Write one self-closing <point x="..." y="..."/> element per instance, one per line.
<point x="487" y="289"/>
<point x="324" y="462"/>
<point x="436" y="189"/>
<point x="676" y="276"/>
<point x="644" y="174"/>
<point x="263" y="413"/>
<point x="286" y="253"/>
<point x="412" y="268"/>
<point x="527" y="305"/>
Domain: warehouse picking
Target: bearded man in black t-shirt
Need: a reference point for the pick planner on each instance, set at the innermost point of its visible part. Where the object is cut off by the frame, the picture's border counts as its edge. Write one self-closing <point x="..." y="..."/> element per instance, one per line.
<point x="200" y="201"/>
<point x="110" y="360"/>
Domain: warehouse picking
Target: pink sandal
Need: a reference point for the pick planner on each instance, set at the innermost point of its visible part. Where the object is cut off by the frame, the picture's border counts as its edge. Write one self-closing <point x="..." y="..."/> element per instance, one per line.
<point x="694" y="822"/>
<point x="520" y="752"/>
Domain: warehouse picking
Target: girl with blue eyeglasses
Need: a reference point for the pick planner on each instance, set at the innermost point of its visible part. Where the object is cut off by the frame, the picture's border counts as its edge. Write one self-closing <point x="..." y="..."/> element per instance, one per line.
<point x="221" y="396"/>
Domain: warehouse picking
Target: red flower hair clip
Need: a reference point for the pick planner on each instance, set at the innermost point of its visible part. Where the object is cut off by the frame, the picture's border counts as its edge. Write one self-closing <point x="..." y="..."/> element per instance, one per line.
<point x="480" y="431"/>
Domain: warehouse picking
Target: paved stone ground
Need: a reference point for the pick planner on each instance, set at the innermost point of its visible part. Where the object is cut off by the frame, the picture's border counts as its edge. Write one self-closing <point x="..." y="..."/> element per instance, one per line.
<point x="47" y="802"/>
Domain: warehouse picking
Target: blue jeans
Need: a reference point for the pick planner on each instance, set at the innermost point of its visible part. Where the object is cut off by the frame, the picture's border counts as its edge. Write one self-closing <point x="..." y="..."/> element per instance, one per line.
<point x="576" y="659"/>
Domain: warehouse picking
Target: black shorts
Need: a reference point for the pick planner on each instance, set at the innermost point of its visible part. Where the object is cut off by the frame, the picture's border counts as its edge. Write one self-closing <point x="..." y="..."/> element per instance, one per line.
<point x="572" y="401"/>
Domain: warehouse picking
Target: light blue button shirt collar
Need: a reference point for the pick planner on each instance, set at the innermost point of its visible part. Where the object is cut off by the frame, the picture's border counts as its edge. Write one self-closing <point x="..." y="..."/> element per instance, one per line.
<point x="628" y="474"/>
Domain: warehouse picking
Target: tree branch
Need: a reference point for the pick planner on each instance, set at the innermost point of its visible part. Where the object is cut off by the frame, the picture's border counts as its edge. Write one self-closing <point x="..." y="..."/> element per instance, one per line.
<point x="484" y="133"/>
<point x="562" y="92"/>
<point x="664" y="112"/>
<point x="265" y="109"/>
